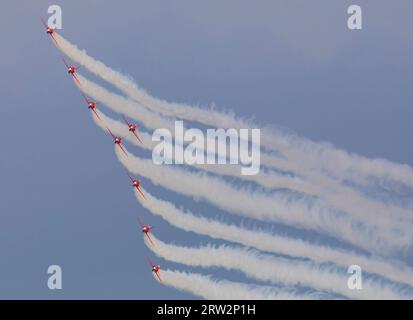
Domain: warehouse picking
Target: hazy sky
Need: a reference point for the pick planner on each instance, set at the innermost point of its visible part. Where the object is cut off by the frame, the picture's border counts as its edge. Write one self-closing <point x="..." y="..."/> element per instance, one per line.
<point x="65" y="198"/>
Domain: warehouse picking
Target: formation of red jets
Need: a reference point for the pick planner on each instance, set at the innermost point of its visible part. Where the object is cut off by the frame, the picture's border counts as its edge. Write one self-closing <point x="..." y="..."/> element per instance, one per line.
<point x="132" y="127"/>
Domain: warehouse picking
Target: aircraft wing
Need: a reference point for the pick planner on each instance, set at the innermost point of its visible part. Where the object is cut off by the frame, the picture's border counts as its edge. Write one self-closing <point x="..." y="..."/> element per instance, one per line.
<point x="140" y="222"/>
<point x="66" y="64"/>
<point x="149" y="261"/>
<point x="149" y="238"/>
<point x="137" y="137"/>
<point x="54" y="39"/>
<point x="140" y="191"/>
<point x="120" y="146"/>
<point x="160" y="280"/>
<point x="113" y="136"/>
<point x="131" y="179"/>
<point x="96" y="113"/>
<point x="75" y="77"/>
<point x="84" y="97"/>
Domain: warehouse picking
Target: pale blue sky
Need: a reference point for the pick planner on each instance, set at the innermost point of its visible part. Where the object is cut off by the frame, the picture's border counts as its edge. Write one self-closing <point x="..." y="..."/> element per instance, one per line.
<point x="65" y="198"/>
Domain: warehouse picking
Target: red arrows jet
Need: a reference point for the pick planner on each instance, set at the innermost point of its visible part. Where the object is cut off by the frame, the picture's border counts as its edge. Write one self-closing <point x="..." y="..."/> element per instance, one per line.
<point x="118" y="141"/>
<point x="133" y="128"/>
<point x="49" y="30"/>
<point x="146" y="230"/>
<point x="72" y="70"/>
<point x="136" y="183"/>
<point x="155" y="268"/>
<point x="91" y="105"/>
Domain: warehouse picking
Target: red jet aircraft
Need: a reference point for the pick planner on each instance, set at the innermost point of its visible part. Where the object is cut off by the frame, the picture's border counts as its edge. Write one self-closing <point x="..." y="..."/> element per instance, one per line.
<point x="136" y="183"/>
<point x="155" y="268"/>
<point x="133" y="128"/>
<point x="49" y="30"/>
<point x="91" y="105"/>
<point x="146" y="230"/>
<point x="118" y="141"/>
<point x="72" y="70"/>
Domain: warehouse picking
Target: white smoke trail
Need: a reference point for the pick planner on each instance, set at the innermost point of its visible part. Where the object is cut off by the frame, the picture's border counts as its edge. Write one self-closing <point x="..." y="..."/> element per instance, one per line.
<point x="265" y="267"/>
<point x="124" y="106"/>
<point x="244" y="202"/>
<point x="337" y="162"/>
<point x="208" y="288"/>
<point x="340" y="164"/>
<point x="264" y="241"/>
<point x="339" y="195"/>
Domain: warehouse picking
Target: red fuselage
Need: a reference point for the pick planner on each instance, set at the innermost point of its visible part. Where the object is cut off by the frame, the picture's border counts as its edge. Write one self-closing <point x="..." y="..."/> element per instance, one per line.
<point x="155" y="268"/>
<point x="118" y="140"/>
<point x="91" y="105"/>
<point x="71" y="70"/>
<point x="136" y="183"/>
<point x="132" y="127"/>
<point x="49" y="31"/>
<point x="146" y="229"/>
